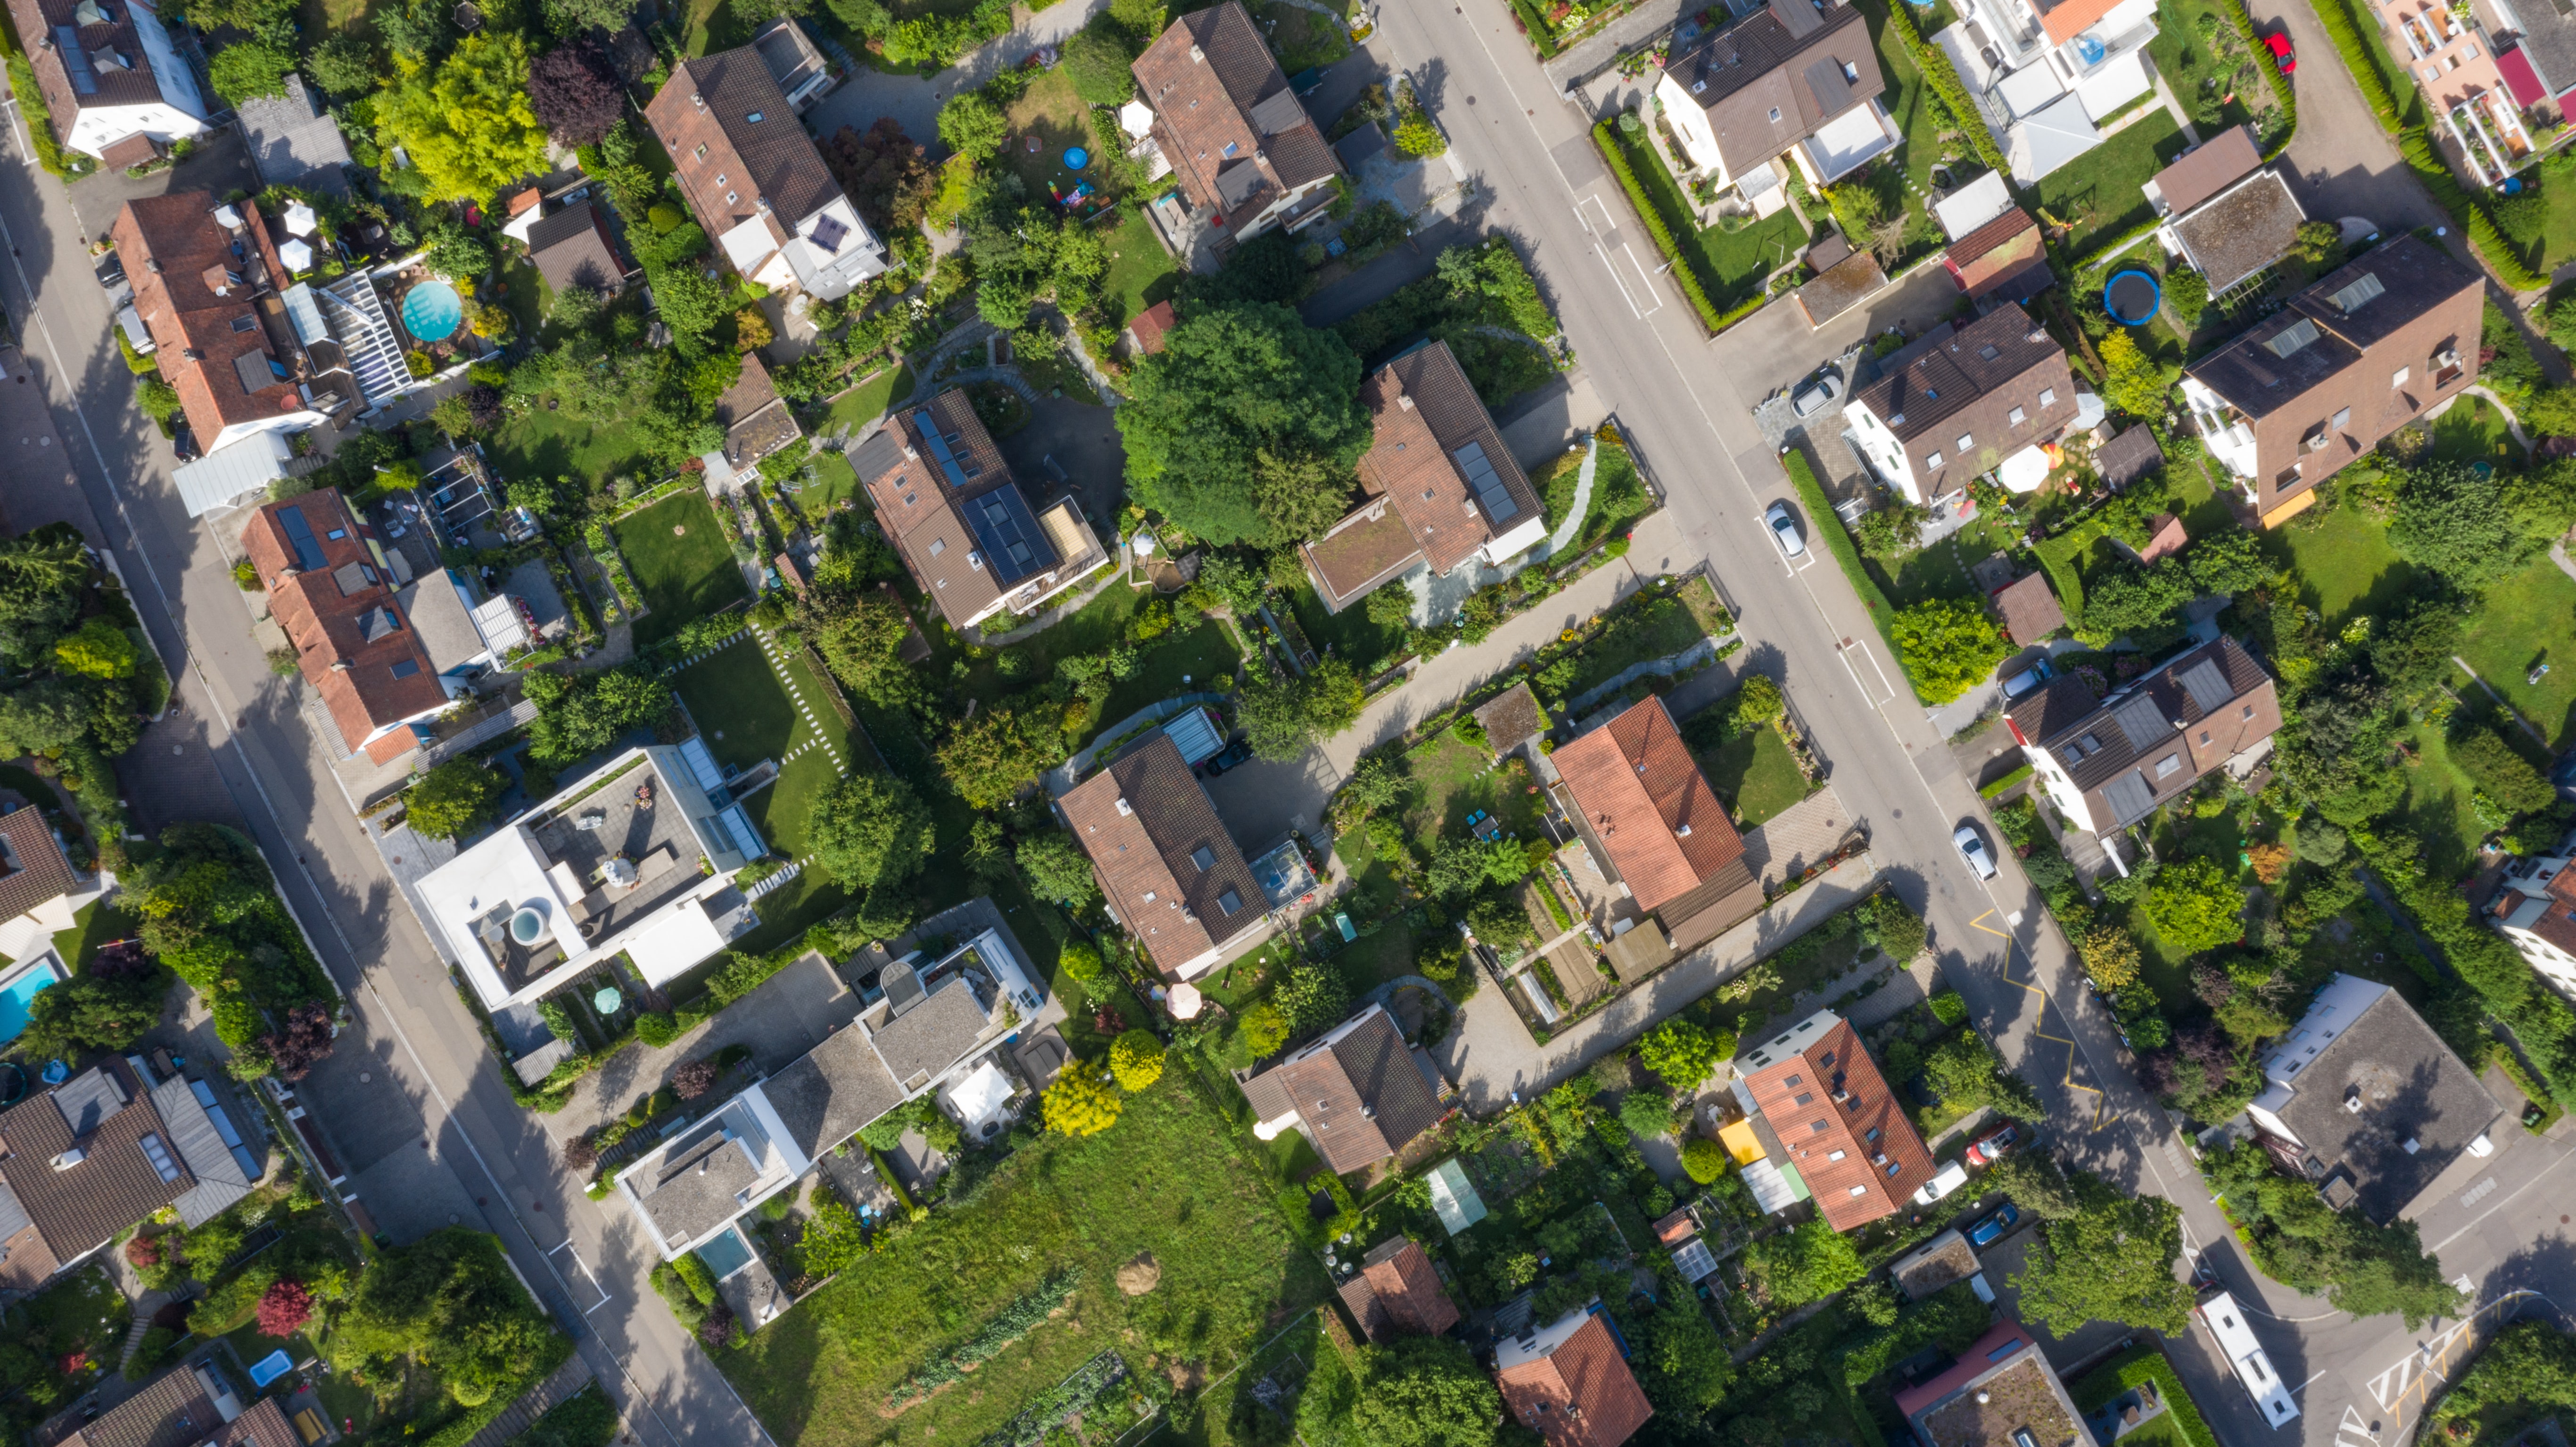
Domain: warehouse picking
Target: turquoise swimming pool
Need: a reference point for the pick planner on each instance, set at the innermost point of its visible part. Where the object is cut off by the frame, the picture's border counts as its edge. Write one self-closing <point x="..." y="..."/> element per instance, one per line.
<point x="432" y="311"/>
<point x="725" y="1254"/>
<point x="18" y="994"/>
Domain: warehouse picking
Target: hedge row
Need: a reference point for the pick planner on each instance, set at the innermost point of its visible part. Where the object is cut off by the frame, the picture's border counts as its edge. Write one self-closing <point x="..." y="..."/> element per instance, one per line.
<point x="2126" y="1373"/>
<point x="1615" y="151"/>
<point x="2280" y="83"/>
<point x="466" y="1428"/>
<point x="1822" y="519"/>
<point x="1935" y="64"/>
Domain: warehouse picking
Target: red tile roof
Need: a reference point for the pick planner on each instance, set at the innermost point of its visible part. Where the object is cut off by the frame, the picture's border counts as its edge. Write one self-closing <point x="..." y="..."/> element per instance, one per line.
<point x="349" y="633"/>
<point x="35" y="868"/>
<point x="1579" y="1395"/>
<point x="1236" y="136"/>
<point x="1398" y="1291"/>
<point x="1846" y="1143"/>
<point x="1995" y="251"/>
<point x="1150" y="325"/>
<point x="1643" y="797"/>
<point x="737" y="144"/>
<point x="176" y="256"/>
<point x="1144" y="821"/>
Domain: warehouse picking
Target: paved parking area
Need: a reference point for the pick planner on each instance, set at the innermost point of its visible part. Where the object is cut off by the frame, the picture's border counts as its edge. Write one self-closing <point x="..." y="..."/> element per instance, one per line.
<point x="221" y="164"/>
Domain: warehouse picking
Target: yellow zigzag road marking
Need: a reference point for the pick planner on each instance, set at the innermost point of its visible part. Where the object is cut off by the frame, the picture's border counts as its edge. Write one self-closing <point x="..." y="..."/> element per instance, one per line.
<point x="2101" y="1102"/>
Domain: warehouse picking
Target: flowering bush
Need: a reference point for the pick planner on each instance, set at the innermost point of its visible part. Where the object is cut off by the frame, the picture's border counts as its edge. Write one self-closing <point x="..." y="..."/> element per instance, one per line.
<point x="284" y="1307"/>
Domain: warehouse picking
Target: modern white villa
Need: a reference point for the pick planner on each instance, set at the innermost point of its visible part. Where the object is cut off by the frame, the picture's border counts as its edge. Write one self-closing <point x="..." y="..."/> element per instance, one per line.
<point x="2048" y="75"/>
<point x="638" y="858"/>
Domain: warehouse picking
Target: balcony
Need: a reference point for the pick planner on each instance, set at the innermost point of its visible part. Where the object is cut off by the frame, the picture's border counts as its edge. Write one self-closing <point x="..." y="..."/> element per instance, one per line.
<point x="2089" y="53"/>
<point x="2485" y="156"/>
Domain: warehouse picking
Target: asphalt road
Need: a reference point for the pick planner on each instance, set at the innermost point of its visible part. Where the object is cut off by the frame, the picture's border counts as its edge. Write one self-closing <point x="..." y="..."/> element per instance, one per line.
<point x="411" y="1098"/>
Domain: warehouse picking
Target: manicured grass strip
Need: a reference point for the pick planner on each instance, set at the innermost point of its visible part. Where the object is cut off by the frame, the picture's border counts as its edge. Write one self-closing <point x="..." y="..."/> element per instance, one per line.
<point x="2126" y="1372"/>
<point x="1822" y="519"/>
<point x="1614" y="149"/>
<point x="684" y="574"/>
<point x="1997" y="788"/>
<point x="1756" y="775"/>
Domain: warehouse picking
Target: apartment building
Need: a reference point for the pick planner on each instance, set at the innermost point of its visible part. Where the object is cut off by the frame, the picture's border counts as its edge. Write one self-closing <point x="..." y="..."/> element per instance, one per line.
<point x="1955" y="407"/>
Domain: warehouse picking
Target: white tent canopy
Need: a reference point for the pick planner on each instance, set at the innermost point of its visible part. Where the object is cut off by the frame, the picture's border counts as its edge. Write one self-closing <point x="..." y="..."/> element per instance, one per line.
<point x="300" y="219"/>
<point x="2051" y="138"/>
<point x="227" y="474"/>
<point x="2025" y="470"/>
<point x="1973" y="205"/>
<point x="296" y="255"/>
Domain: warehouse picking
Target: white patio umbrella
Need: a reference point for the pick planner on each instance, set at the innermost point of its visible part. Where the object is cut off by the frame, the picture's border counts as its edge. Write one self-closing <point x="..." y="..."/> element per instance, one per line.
<point x="300" y="219"/>
<point x="296" y="255"/>
<point x="1186" y="1002"/>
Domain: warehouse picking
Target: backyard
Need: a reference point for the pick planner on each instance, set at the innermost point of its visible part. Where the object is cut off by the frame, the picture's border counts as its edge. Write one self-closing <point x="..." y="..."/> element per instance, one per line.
<point x="2098" y="196"/>
<point x="1755" y="773"/>
<point x="1141" y="272"/>
<point x="1921" y="116"/>
<point x="1166" y="1183"/>
<point x="539" y="443"/>
<point x="867" y="401"/>
<point x="681" y="561"/>
<point x="746" y="712"/>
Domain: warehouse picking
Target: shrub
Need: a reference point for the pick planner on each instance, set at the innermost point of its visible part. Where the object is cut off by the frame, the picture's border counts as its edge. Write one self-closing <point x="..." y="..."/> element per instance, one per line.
<point x="1704" y="1159"/>
<point x="655" y="1028"/>
<point x="1078" y="1104"/>
<point x="694" y="1078"/>
<point x="1136" y="1058"/>
<point x="1647" y="1114"/>
<point x="285" y="1306"/>
<point x="1949" y="1007"/>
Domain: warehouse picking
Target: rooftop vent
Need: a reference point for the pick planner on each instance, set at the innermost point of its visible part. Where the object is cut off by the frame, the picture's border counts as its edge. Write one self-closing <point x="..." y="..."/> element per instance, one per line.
<point x="70" y="1158"/>
<point x="1125" y="809"/>
<point x="2352" y="1102"/>
<point x="2412" y="1145"/>
<point x="1197" y="55"/>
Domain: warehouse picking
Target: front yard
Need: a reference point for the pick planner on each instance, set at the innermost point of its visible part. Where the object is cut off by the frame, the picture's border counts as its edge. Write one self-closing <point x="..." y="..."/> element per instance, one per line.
<point x="1731" y="268"/>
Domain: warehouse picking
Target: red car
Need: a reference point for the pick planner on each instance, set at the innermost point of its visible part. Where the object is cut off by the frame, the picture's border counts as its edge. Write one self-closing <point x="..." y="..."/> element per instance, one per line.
<point x="1994" y="1147"/>
<point x="2279" y="45"/>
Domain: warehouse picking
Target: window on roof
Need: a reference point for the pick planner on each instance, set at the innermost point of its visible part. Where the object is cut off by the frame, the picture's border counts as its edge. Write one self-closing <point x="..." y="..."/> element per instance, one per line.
<point x="2204" y="738"/>
<point x="1872" y="1134"/>
<point x="1804" y="1098"/>
<point x="1989" y="351"/>
<point x="1932" y="461"/>
<point x="1836" y="1155"/>
<point x="406" y="668"/>
<point x="2249" y="713"/>
<point x="720" y="178"/>
<point x="937" y="545"/>
<point x="700" y="153"/>
<point x="245" y="324"/>
<point x="1851" y="72"/>
<point x="2340" y="419"/>
<point x="1232" y="146"/>
<point x="2048" y="396"/>
<point x="1967" y="440"/>
<point x="159" y="1155"/>
<point x="2168" y="766"/>
<point x="1204" y="858"/>
<point x="1860" y="1190"/>
<point x="2402" y="374"/>
<point x="731" y="198"/>
<point x="1894" y="1166"/>
<point x="756" y="117"/>
<point x="1775" y="115"/>
<point x="336" y="534"/>
<point x="2017" y="417"/>
<point x="1815" y="1127"/>
<point x="1795" y="1080"/>
<point x="1229" y="902"/>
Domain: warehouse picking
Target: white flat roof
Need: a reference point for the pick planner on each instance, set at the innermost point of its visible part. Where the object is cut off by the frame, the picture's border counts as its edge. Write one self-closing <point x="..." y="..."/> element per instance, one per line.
<point x="669" y="943"/>
<point x="749" y="244"/>
<point x="225" y="475"/>
<point x="1973" y="205"/>
<point x="2030" y="90"/>
<point x="505" y="870"/>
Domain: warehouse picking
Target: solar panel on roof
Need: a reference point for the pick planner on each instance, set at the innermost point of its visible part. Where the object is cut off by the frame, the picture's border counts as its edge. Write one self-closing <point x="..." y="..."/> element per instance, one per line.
<point x="2296" y="336"/>
<point x="945" y="455"/>
<point x="829" y="233"/>
<point x="2206" y="685"/>
<point x="1008" y="535"/>
<point x="1487" y="484"/>
<point x="2352" y="298"/>
<point x="299" y="535"/>
<point x="75" y="60"/>
<point x="2143" y="720"/>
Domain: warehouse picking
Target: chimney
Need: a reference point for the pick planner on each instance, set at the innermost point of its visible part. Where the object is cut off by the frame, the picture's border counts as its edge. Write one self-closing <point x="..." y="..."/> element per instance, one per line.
<point x="70" y="1158"/>
<point x="1405" y="401"/>
<point x="1125" y="810"/>
<point x="1197" y="55"/>
<point x="340" y="666"/>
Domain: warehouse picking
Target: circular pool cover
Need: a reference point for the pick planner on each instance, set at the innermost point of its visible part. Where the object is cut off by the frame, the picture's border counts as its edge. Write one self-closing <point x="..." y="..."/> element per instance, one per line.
<point x="1075" y="158"/>
<point x="432" y="311"/>
<point x="2131" y="297"/>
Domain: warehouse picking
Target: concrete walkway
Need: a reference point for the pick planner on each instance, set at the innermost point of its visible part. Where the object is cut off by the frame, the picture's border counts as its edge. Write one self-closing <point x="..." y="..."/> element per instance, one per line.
<point x="1491" y="1055"/>
<point x="1572" y="527"/>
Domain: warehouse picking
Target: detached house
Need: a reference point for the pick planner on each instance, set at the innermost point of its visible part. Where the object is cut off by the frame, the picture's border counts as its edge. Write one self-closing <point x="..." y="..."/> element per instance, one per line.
<point x="1826" y="1125"/>
<point x="1359" y="1094"/>
<point x="1246" y="155"/>
<point x="1797" y="77"/>
<point x="1949" y="410"/>
<point x="329" y="589"/>
<point x="2227" y="217"/>
<point x="82" y="1161"/>
<point x="2535" y="907"/>
<point x="193" y="1406"/>
<point x="1568" y="1380"/>
<point x="207" y="283"/>
<point x="1396" y="1290"/>
<point x="2001" y="1392"/>
<point x="2108" y="763"/>
<point x="112" y="83"/>
<point x="2350" y="360"/>
<point x="2047" y="73"/>
<point x="947" y="501"/>
<point x="1655" y="828"/>
<point x="753" y="177"/>
<point x="1173" y="876"/>
<point x="1439" y="488"/>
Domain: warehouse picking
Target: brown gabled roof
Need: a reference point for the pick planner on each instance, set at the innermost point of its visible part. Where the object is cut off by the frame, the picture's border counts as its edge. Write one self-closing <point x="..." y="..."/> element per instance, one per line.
<point x="1996" y="252"/>
<point x="36" y="869"/>
<point x="2207" y="169"/>
<point x="1424" y="413"/>
<point x="570" y="248"/>
<point x="114" y="1184"/>
<point x="2028" y="609"/>
<point x="1969" y="386"/>
<point x="212" y="345"/>
<point x="917" y="501"/>
<point x="1357" y="1094"/>
<point x="1581" y="1394"/>
<point x="1151" y="324"/>
<point x="132" y="84"/>
<point x="2153" y="740"/>
<point x="2167" y="537"/>
<point x="173" y="1410"/>
<point x="350" y="637"/>
<point x="756" y="422"/>
<point x="1164" y="859"/>
<point x="1791" y="68"/>
<point x="1235" y="134"/>
<point x="1639" y="792"/>
<point x="710" y="102"/>
<point x="1397" y="1290"/>
<point x="1511" y="718"/>
<point x="1842" y="1128"/>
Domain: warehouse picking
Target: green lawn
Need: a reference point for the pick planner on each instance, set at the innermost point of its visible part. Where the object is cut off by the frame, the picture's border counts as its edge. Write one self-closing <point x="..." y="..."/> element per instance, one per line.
<point x="1920" y="115"/>
<point x="1941" y="570"/>
<point x="1744" y="258"/>
<point x="1050" y="111"/>
<point x="1730" y="273"/>
<point x="739" y="706"/>
<point x="869" y="400"/>
<point x="1450" y="780"/>
<point x="524" y="293"/>
<point x="747" y="714"/>
<point x="2344" y="563"/>
<point x="2527" y="618"/>
<point x="1653" y="628"/>
<point x="1755" y="775"/>
<point x="681" y="561"/>
<point x="834" y="481"/>
<point x="1301" y="38"/>
<point x="2474" y="430"/>
<point x="2191" y="70"/>
<point x="1348" y="634"/>
<point x="538" y="443"/>
<point x="1166" y="1179"/>
<point x="2438" y="805"/>
<point x="1141" y="272"/>
<point x="1179" y="663"/>
<point x="93" y="925"/>
<point x="2098" y="196"/>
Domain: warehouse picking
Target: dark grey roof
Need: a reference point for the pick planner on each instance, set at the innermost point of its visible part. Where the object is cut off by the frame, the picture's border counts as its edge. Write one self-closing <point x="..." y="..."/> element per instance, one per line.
<point x="1239" y="182"/>
<point x="1359" y="145"/>
<point x="2412" y="1088"/>
<point x="1276" y="113"/>
<point x="697" y="1187"/>
<point x="2269" y="365"/>
<point x="294" y="142"/>
<point x="220" y="1178"/>
<point x="922" y="1042"/>
<point x="880" y="454"/>
<point x="13" y="1217"/>
<point x="88" y="1099"/>
<point x="2126" y="458"/>
<point x="2107" y="748"/>
<point x="1382" y="1071"/>
<point x="2548" y="40"/>
<point x="831" y="1091"/>
<point x="2206" y="685"/>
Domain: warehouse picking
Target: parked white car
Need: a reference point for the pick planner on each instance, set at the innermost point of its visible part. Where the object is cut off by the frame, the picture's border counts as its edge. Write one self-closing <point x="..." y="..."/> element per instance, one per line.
<point x="1949" y="1178"/>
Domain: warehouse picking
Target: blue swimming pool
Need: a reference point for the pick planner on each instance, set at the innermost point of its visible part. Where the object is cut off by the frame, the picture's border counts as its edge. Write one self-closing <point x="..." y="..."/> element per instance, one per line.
<point x="725" y="1255"/>
<point x="432" y="311"/>
<point x="20" y="993"/>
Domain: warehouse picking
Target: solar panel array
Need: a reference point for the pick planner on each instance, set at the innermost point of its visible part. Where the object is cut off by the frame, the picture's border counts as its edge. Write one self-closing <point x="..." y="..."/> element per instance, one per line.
<point x="299" y="535"/>
<point x="75" y="59"/>
<point x="1008" y="534"/>
<point x="1488" y="486"/>
<point x="943" y="453"/>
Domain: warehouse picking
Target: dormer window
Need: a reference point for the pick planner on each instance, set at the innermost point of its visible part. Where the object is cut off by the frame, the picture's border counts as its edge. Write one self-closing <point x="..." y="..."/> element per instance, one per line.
<point x="700" y="153"/>
<point x="2048" y="396"/>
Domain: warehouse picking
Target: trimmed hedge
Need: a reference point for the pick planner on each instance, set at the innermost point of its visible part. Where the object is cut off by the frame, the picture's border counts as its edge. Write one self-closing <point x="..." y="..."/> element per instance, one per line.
<point x="2127" y="1372"/>
<point x="1997" y="788"/>
<point x="1935" y="64"/>
<point x="2272" y="75"/>
<point x="1838" y="542"/>
<point x="1615" y="151"/>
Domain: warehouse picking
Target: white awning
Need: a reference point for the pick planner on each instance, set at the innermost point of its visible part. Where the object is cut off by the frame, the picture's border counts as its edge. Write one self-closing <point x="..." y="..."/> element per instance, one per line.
<point x="2025" y="470"/>
<point x="228" y="474"/>
<point x="665" y="949"/>
<point x="301" y="220"/>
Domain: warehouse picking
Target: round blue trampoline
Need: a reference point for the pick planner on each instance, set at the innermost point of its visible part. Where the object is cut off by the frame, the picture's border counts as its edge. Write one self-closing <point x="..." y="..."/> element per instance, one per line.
<point x="2131" y="297"/>
<point x="432" y="311"/>
<point x="1075" y="158"/>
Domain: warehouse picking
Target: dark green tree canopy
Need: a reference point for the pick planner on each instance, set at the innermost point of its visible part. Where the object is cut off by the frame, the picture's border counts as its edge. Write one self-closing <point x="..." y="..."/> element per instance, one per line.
<point x="1246" y="426"/>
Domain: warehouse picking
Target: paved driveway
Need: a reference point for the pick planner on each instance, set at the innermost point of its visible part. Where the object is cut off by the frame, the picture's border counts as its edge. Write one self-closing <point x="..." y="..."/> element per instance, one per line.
<point x="2341" y="161"/>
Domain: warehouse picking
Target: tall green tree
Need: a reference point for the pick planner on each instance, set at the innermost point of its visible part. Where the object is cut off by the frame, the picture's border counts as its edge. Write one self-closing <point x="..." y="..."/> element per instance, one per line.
<point x="1424" y="1392"/>
<point x="2111" y="1260"/>
<point x="448" y="801"/>
<point x="869" y="829"/>
<point x="1949" y="646"/>
<point x="468" y="122"/>
<point x="2195" y="906"/>
<point x="2454" y="522"/>
<point x="450" y="1300"/>
<point x="1246" y="426"/>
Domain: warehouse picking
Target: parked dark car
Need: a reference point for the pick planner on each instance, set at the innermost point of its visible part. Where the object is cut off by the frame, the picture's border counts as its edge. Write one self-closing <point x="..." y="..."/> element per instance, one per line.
<point x="111" y="272"/>
<point x="184" y="442"/>
<point x="1227" y="757"/>
<point x="1991" y="1229"/>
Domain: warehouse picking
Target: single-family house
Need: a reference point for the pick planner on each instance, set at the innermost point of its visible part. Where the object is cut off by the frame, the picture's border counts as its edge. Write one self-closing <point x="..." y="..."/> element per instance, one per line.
<point x="1658" y="832"/>
<point x="331" y="589"/>
<point x="637" y="858"/>
<point x="1396" y="1291"/>
<point x="109" y="78"/>
<point x="2362" y="1098"/>
<point x="571" y="249"/>
<point x="1357" y="1092"/>
<point x="1986" y="399"/>
<point x="83" y="1160"/>
<point x="2534" y="906"/>
<point x="1795" y="77"/>
<point x="754" y="178"/>
<point x="2000" y="1392"/>
<point x="2108" y="763"/>
<point x="2028" y="609"/>
<point x="1438" y="489"/>
<point x="1174" y="879"/>
<point x="957" y="517"/>
<point x="192" y="1405"/>
<point x="2357" y="355"/>
<point x="755" y="419"/>
<point x="1827" y="1125"/>
<point x="1568" y="1380"/>
<point x="1246" y="155"/>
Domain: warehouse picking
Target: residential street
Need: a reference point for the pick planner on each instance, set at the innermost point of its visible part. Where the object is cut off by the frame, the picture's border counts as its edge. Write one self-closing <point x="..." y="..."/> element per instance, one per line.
<point x="414" y="1100"/>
